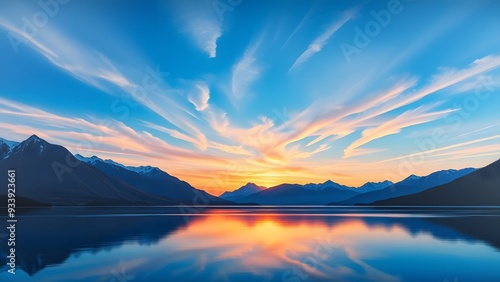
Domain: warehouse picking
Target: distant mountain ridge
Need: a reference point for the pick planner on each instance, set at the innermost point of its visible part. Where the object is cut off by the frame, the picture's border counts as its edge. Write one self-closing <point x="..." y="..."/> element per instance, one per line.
<point x="374" y="186"/>
<point x="326" y="185"/>
<point x="295" y="194"/>
<point x="247" y="189"/>
<point x="479" y="188"/>
<point x="311" y="193"/>
<point x="410" y="185"/>
<point x="333" y="193"/>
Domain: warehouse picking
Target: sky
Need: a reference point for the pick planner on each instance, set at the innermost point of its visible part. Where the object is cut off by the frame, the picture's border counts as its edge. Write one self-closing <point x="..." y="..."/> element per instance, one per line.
<point x="225" y="92"/>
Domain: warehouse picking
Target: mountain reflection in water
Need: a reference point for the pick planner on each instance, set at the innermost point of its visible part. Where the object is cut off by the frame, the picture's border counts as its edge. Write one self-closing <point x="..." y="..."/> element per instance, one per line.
<point x="256" y="244"/>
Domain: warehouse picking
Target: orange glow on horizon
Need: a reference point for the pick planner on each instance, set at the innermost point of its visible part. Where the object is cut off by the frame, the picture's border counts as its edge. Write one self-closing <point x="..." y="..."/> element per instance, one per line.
<point x="217" y="182"/>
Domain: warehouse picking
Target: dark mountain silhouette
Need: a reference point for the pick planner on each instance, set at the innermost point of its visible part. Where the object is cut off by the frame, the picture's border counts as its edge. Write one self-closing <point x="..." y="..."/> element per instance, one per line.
<point x="312" y="193"/>
<point x="479" y="188"/>
<point x="247" y="189"/>
<point x="295" y="194"/>
<point x="50" y="174"/>
<point x="411" y="185"/>
<point x="152" y="180"/>
<point x="374" y="186"/>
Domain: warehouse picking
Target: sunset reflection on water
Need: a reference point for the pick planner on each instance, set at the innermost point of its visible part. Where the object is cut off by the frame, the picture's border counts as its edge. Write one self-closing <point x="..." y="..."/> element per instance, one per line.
<point x="259" y="245"/>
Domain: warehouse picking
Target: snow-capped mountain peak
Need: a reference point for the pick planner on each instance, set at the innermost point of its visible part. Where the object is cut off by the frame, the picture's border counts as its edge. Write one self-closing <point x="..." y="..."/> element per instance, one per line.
<point x="326" y="185"/>
<point x="143" y="170"/>
<point x="111" y="162"/>
<point x="36" y="143"/>
<point x="32" y="145"/>
<point x="412" y="177"/>
<point x="8" y="143"/>
<point x="6" y="147"/>
<point x="373" y="186"/>
<point x="90" y="160"/>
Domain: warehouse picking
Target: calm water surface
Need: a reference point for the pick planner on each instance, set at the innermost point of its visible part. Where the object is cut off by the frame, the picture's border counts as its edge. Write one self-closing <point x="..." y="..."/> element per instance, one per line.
<point x="291" y="244"/>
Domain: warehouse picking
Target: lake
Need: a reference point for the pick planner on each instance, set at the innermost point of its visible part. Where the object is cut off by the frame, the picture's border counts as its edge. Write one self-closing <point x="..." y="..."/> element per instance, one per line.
<point x="286" y="244"/>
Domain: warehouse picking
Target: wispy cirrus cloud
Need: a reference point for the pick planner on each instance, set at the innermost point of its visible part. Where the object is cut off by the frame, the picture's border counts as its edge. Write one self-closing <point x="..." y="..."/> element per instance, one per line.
<point x="88" y="136"/>
<point x="364" y="151"/>
<point x="86" y="65"/>
<point x="256" y="136"/>
<point x="172" y="132"/>
<point x="395" y="125"/>
<point x="97" y="70"/>
<point x="199" y="96"/>
<point x="311" y="122"/>
<point x="245" y="72"/>
<point x="433" y="151"/>
<point x="200" y="20"/>
<point x="320" y="120"/>
<point x="296" y="153"/>
<point x="232" y="149"/>
<point x="366" y="110"/>
<point x="317" y="44"/>
<point x="205" y="32"/>
<point x="478" y="131"/>
<point x="445" y="79"/>
<point x="299" y="25"/>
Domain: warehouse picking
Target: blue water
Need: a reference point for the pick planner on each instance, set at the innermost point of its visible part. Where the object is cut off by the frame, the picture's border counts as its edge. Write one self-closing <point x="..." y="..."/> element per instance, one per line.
<point x="287" y="244"/>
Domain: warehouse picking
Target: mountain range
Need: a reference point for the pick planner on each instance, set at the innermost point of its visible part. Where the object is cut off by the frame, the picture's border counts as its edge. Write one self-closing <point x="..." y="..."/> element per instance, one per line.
<point x="479" y="188"/>
<point x="48" y="174"/>
<point x="151" y="180"/>
<point x="308" y="194"/>
<point x="410" y="185"/>
<point x="332" y="193"/>
<point x="247" y="189"/>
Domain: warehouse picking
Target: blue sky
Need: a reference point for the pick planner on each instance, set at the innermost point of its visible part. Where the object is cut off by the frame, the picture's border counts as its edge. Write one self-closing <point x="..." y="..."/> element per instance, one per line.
<point x="220" y="93"/>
